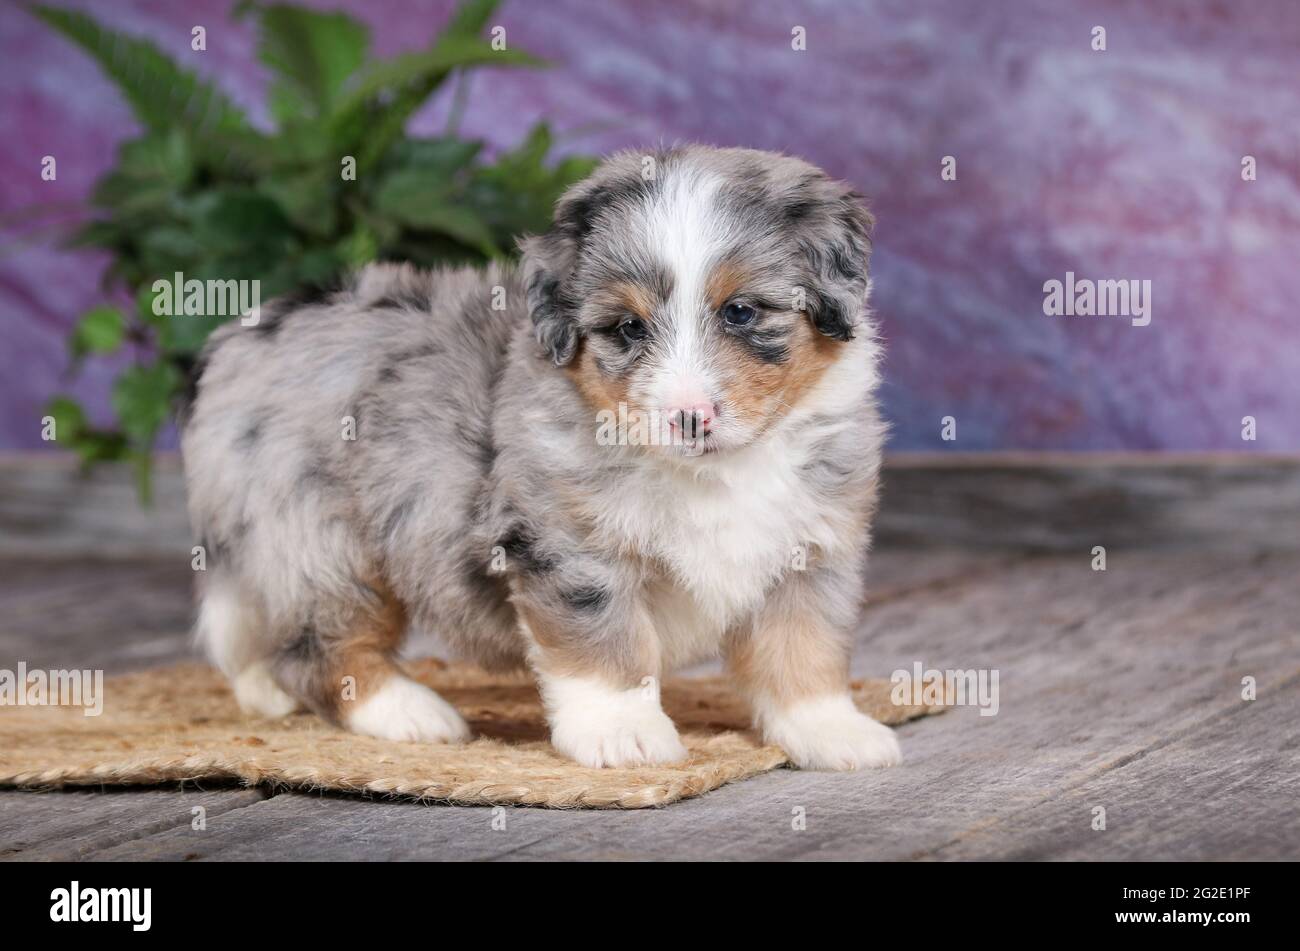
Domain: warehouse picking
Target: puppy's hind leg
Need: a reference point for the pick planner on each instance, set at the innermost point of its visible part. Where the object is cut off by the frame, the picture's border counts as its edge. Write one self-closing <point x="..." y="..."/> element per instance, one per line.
<point x="340" y="663"/>
<point x="233" y="631"/>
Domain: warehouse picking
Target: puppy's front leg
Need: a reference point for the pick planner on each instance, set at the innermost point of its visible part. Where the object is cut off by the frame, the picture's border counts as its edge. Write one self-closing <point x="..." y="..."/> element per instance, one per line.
<point x="596" y="657"/>
<point x="792" y="660"/>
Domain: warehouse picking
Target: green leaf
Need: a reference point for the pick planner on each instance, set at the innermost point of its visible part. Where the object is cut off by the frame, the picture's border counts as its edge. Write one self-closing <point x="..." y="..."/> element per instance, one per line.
<point x="158" y="155"/>
<point x="439" y="158"/>
<point x="238" y="219"/>
<point x="304" y="145"/>
<point x="99" y="330"/>
<point x="410" y="197"/>
<point x="358" y="249"/>
<point x="168" y="247"/>
<point x="69" y="419"/>
<point x="100" y="446"/>
<point x="98" y="234"/>
<point x="312" y="55"/>
<point x="145" y="298"/>
<point x="186" y="323"/>
<point x="150" y="172"/>
<point x="142" y="398"/>
<point x="470" y="18"/>
<point x="73" y="433"/>
<point x="162" y="94"/>
<point x="142" y="467"/>
<point x="312" y="268"/>
<point x="452" y="52"/>
<point x="531" y="152"/>
<point x="461" y="223"/>
<point x="573" y="169"/>
<point x="186" y="333"/>
<point x="374" y="111"/>
<point x="516" y="194"/>
<point x="307" y="200"/>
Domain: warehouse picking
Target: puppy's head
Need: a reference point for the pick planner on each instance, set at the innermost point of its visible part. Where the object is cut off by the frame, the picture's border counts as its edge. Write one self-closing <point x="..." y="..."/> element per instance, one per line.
<point x="703" y="291"/>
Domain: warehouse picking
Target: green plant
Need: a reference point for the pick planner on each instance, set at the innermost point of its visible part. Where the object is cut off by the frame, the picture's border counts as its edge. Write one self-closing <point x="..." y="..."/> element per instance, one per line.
<point x="203" y="192"/>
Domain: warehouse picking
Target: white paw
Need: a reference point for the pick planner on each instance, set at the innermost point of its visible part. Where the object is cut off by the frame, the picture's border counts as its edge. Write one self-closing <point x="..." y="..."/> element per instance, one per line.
<point x="258" y="693"/>
<point x="403" y="710"/>
<point x="830" y="733"/>
<point x="598" y="726"/>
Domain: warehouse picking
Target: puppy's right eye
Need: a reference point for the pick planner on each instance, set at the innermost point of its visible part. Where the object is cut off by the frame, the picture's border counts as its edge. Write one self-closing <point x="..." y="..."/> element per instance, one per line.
<point x="633" y="329"/>
<point x="738" y="315"/>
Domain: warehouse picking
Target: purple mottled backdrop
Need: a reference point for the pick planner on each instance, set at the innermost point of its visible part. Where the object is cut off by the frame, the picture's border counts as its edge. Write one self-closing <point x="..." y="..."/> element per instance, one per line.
<point x="1117" y="164"/>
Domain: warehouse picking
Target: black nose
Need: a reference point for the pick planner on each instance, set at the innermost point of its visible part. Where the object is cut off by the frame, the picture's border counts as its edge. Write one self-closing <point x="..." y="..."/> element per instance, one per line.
<point x="691" y="424"/>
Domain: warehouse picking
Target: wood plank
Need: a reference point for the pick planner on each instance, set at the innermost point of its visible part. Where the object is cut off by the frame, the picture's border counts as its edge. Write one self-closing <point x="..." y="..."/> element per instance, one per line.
<point x="1078" y="694"/>
<point x="307" y="827"/>
<point x="72" y="825"/>
<point x="1061" y="502"/>
<point x="1047" y="502"/>
<point x="109" y="615"/>
<point x="1101" y="674"/>
<point x="50" y="507"/>
<point x="1185" y="799"/>
<point x="1093" y="674"/>
<point x="894" y="572"/>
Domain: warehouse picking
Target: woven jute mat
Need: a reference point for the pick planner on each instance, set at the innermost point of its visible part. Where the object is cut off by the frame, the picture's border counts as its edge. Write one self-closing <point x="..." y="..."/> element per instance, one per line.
<point x="182" y="724"/>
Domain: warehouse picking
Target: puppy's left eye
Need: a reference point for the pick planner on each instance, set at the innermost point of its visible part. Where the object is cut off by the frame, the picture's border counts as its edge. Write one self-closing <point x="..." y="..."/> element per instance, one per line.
<point x="738" y="315"/>
<point x="633" y="329"/>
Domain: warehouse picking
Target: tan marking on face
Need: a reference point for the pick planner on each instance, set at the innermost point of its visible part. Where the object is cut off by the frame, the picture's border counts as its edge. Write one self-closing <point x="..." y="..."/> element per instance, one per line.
<point x="760" y="393"/>
<point x="726" y="280"/>
<point x="636" y="299"/>
<point x="601" y="391"/>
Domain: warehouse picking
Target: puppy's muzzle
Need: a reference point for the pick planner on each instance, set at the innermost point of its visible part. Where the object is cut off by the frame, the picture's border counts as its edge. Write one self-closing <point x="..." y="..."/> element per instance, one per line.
<point x="692" y="422"/>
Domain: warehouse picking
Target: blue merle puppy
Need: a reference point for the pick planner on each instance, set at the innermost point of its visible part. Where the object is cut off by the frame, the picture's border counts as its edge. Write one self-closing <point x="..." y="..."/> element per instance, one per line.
<point x="652" y="442"/>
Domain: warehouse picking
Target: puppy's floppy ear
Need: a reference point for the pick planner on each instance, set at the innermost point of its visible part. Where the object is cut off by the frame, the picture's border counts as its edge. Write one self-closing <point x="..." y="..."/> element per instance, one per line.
<point x="548" y="261"/>
<point x="835" y="236"/>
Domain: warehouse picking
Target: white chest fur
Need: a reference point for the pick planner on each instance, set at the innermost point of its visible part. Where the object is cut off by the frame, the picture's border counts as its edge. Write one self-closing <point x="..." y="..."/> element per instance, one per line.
<point x="724" y="531"/>
<point x="721" y="537"/>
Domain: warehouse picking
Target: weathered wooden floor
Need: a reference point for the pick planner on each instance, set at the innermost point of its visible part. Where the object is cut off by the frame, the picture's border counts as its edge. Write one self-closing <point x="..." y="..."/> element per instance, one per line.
<point x="1119" y="689"/>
